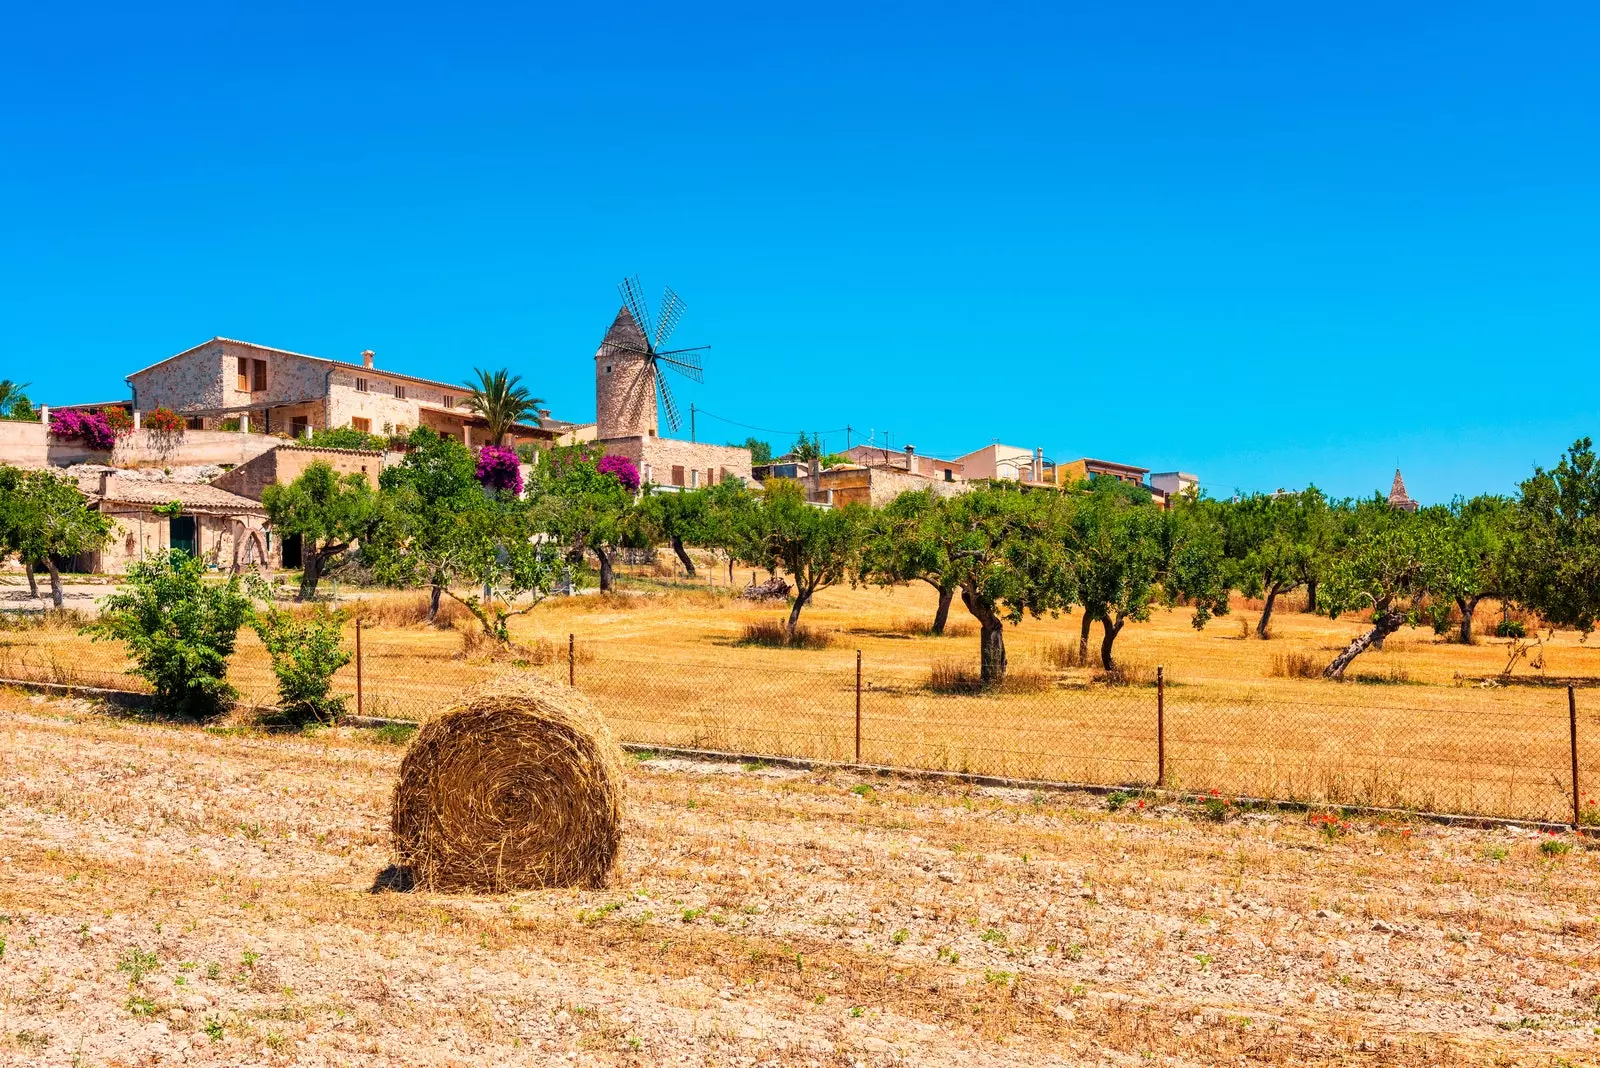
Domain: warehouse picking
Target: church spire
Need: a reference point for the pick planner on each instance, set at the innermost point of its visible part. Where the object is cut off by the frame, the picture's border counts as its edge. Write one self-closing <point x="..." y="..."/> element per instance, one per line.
<point x="1398" y="497"/>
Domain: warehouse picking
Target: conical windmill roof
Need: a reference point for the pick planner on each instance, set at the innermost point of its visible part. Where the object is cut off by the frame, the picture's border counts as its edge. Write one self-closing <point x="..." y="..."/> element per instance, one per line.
<point x="1397" y="492"/>
<point x="624" y="331"/>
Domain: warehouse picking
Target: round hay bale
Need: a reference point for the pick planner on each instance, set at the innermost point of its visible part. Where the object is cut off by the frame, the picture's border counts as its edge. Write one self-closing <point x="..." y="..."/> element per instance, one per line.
<point x="518" y="787"/>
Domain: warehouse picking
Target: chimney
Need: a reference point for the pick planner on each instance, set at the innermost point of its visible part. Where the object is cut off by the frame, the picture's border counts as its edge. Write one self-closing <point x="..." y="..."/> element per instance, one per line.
<point x="911" y="459"/>
<point x="107" y="480"/>
<point x="1038" y="465"/>
<point x="366" y="357"/>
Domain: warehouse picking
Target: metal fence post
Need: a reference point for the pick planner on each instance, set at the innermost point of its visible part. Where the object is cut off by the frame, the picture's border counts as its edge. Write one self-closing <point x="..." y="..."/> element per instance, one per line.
<point x="1161" y="726"/>
<point x="572" y="660"/>
<point x="858" y="706"/>
<point x="360" y="703"/>
<point x="1572" y="723"/>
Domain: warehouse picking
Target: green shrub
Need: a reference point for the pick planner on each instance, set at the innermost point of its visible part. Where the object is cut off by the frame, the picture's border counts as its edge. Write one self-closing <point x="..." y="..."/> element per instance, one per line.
<point x="346" y="437"/>
<point x="1510" y="628"/>
<point x="305" y="654"/>
<point x="179" y="631"/>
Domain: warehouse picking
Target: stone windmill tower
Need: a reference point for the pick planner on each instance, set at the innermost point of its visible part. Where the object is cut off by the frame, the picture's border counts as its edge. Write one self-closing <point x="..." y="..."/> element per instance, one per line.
<point x="627" y="367"/>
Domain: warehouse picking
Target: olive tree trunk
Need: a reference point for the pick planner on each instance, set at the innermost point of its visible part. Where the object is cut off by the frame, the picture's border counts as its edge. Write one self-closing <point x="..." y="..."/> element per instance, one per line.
<point x="941" y="615"/>
<point x="604" y="556"/>
<point x="683" y="555"/>
<point x="310" y="574"/>
<point x="991" y="637"/>
<point x="56" y="596"/>
<point x="1108" y="638"/>
<point x="1273" y="590"/>
<point x="1468" y="606"/>
<point x="1388" y="622"/>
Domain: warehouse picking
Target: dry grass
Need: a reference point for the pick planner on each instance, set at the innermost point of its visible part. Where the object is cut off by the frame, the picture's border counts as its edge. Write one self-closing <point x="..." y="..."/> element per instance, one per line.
<point x="408" y="610"/>
<point x="218" y="884"/>
<point x="774" y="634"/>
<point x="667" y="668"/>
<point x="952" y="676"/>
<point x="1297" y="664"/>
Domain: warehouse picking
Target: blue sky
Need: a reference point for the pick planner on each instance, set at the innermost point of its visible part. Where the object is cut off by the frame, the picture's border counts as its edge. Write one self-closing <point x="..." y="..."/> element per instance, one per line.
<point x="1260" y="242"/>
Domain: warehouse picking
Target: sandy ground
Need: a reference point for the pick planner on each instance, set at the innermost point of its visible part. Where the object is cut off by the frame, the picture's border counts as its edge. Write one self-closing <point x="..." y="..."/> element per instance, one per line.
<point x="172" y="895"/>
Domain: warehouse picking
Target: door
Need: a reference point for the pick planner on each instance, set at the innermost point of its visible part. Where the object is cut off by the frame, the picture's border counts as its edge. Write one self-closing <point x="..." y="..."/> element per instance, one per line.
<point x="291" y="551"/>
<point x="181" y="534"/>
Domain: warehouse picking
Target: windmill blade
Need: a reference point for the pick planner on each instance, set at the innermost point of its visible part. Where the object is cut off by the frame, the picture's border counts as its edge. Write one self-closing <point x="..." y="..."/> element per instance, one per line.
<point x="611" y="348"/>
<point x="685" y="361"/>
<point x="633" y="300"/>
<point x="668" y="403"/>
<point x="672" y="309"/>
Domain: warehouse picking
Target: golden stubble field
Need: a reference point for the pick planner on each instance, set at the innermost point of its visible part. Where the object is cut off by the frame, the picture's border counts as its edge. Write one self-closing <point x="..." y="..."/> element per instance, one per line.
<point x="176" y="895"/>
<point x="1415" y="729"/>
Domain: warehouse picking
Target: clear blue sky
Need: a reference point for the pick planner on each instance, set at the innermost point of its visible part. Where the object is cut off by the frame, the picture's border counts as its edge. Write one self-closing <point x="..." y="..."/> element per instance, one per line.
<point x="1260" y="242"/>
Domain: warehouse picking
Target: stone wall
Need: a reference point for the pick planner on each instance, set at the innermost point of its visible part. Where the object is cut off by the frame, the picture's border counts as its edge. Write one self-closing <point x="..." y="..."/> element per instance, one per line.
<point x="289" y="462"/>
<point x="138" y="535"/>
<point x="665" y="460"/>
<point x="29" y="445"/>
<point x="190" y="380"/>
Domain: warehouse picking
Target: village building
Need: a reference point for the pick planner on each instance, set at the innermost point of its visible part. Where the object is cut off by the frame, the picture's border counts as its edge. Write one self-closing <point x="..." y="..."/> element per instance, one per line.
<point x="627" y="421"/>
<point x="1081" y="470"/>
<point x="1399" y="499"/>
<point x="907" y="459"/>
<point x="1001" y="461"/>
<point x="228" y="384"/>
<point x="1175" y="484"/>
<point x="148" y="516"/>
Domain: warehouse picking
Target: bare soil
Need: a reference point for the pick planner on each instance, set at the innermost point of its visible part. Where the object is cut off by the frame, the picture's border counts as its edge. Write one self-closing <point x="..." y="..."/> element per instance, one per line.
<point x="176" y="895"/>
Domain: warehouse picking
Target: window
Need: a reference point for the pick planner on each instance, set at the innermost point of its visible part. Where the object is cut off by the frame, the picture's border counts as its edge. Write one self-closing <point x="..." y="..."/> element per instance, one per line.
<point x="244" y="374"/>
<point x="711" y="476"/>
<point x="298" y="426"/>
<point x="399" y="392"/>
<point x="949" y="475"/>
<point x="448" y="401"/>
<point x="195" y="422"/>
<point x="677" y="474"/>
<point x="258" y="376"/>
<point x="363" y="425"/>
<point x="608" y="368"/>
<point x="361" y="385"/>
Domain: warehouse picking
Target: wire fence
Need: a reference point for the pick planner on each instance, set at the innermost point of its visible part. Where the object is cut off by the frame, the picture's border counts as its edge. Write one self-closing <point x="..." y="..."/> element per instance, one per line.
<point x="1523" y="752"/>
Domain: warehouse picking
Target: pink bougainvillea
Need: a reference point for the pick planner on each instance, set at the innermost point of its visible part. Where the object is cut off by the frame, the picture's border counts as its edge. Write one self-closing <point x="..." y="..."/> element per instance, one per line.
<point x="621" y="468"/>
<point x="91" y="428"/>
<point x="499" y="468"/>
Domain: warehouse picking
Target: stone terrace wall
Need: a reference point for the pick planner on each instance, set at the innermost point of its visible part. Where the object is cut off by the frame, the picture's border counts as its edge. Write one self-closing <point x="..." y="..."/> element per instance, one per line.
<point x="28" y="445"/>
<point x="289" y="462"/>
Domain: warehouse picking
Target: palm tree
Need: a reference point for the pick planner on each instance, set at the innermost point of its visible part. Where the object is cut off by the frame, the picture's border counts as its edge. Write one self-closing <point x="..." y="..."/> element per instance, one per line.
<point x="501" y="401"/>
<point x="11" y="393"/>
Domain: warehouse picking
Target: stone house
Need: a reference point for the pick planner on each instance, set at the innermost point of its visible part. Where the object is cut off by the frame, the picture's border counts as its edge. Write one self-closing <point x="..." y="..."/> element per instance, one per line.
<point x="1079" y="470"/>
<point x="227" y="531"/>
<point x="274" y="391"/>
<point x="876" y="486"/>
<point x="907" y="459"/>
<point x="627" y="422"/>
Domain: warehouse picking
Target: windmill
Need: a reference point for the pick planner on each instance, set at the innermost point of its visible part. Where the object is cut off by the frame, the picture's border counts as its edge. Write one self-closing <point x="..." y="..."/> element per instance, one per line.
<point x="628" y="366"/>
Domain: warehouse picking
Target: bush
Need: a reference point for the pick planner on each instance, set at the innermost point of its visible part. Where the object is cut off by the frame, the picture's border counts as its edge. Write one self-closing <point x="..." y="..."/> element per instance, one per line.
<point x="179" y="631"/>
<point x="306" y="651"/>
<point x="346" y="437"/>
<point x="499" y="469"/>
<point x="1510" y="628"/>
<point x="165" y="421"/>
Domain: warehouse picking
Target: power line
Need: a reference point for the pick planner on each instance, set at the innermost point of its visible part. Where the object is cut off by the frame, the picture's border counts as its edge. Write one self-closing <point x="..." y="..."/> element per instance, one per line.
<point x="765" y="429"/>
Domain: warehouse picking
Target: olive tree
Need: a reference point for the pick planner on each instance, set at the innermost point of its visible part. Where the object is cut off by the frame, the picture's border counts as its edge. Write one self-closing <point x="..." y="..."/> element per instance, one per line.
<point x="1127" y="556"/>
<point x="1390" y="564"/>
<point x="815" y="546"/>
<point x="44" y="517"/>
<point x="909" y="539"/>
<point x="1554" y="548"/>
<point x="1273" y="544"/>
<point x="329" y="513"/>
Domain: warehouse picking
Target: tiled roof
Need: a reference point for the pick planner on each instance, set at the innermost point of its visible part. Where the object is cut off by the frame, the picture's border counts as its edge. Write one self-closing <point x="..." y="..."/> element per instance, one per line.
<point x="198" y="497"/>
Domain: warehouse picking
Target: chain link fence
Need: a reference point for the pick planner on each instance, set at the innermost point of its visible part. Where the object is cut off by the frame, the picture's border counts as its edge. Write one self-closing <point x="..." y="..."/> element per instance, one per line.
<point x="1520" y="752"/>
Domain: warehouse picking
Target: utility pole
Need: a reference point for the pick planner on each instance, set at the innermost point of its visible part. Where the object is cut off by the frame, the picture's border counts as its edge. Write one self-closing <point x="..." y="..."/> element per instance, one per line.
<point x="847" y="430"/>
<point x="691" y="423"/>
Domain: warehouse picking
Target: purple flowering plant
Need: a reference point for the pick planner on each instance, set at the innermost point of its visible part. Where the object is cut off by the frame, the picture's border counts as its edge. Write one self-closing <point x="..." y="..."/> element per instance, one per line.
<point x="499" y="469"/>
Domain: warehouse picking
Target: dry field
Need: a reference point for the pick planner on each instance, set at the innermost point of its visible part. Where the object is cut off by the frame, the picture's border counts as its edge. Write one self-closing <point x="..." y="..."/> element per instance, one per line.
<point x="172" y="895"/>
<point x="1415" y="729"/>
